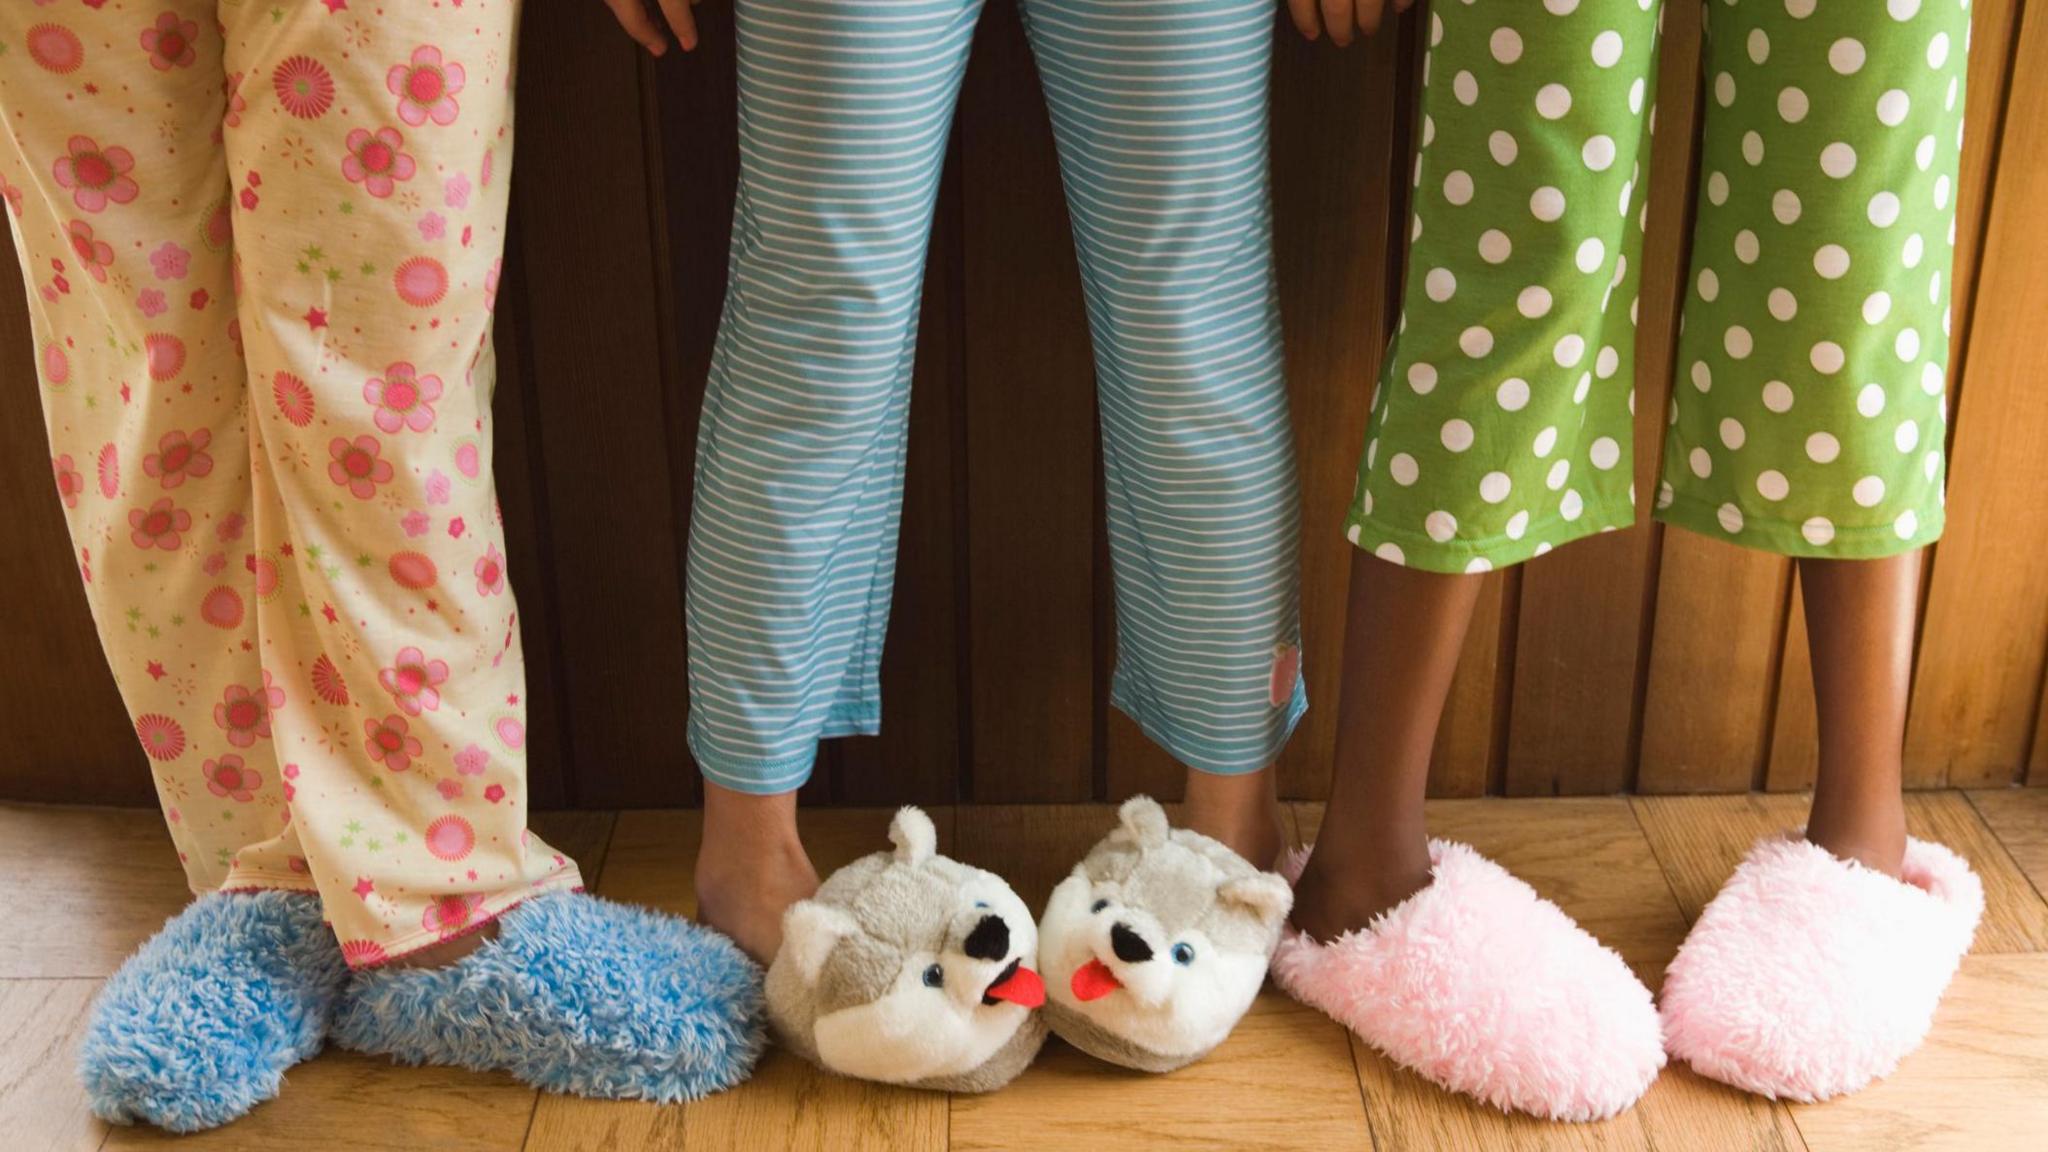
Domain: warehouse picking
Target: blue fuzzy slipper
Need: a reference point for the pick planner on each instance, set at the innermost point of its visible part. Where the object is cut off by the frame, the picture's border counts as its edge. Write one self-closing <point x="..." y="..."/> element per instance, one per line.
<point x="199" y="1026"/>
<point x="577" y="994"/>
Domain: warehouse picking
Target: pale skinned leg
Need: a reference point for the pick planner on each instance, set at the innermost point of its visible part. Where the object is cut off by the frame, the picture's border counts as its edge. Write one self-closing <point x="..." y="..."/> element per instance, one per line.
<point x="751" y="866"/>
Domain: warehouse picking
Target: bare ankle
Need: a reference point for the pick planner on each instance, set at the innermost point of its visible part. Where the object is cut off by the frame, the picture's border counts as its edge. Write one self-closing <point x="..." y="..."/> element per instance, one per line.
<point x="447" y="952"/>
<point x="1240" y="811"/>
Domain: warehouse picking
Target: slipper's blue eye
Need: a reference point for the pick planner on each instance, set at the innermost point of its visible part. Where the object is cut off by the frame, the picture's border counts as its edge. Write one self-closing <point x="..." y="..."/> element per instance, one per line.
<point x="934" y="977"/>
<point x="1098" y="906"/>
<point x="981" y="903"/>
<point x="1183" y="954"/>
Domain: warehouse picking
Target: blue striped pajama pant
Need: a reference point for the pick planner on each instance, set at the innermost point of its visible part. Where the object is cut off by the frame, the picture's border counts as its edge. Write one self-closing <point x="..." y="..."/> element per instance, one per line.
<point x="1159" y="109"/>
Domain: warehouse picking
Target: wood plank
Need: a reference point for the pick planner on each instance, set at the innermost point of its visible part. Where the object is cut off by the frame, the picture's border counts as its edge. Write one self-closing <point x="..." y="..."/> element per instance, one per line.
<point x="594" y="328"/>
<point x="41" y="1102"/>
<point x="2019" y="818"/>
<point x="1976" y="692"/>
<point x="1579" y="669"/>
<point x="1993" y="26"/>
<point x="1030" y="428"/>
<point x="581" y="836"/>
<point x="1713" y="667"/>
<point x="1975" y="1086"/>
<point x="105" y="881"/>
<point x="573" y="1124"/>
<point x="1700" y="839"/>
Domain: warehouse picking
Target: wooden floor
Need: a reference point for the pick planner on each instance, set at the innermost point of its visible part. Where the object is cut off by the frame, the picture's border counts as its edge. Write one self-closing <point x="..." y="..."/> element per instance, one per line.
<point x="88" y="885"/>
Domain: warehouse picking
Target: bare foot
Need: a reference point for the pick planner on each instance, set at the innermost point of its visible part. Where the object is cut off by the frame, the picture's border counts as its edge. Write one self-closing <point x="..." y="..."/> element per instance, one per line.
<point x="1873" y="834"/>
<point x="1242" y="812"/>
<point x="448" y="951"/>
<point x="1335" y="896"/>
<point x="745" y="896"/>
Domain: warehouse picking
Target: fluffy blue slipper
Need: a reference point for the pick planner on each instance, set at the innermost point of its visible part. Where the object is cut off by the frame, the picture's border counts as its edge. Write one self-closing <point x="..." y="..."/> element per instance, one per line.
<point x="576" y="994"/>
<point x="199" y="1026"/>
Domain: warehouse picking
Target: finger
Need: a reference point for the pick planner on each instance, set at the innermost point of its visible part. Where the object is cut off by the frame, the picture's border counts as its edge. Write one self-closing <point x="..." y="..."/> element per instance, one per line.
<point x="1337" y="18"/>
<point x="1370" y="12"/>
<point x="682" y="20"/>
<point x="1306" y="21"/>
<point x="632" y="16"/>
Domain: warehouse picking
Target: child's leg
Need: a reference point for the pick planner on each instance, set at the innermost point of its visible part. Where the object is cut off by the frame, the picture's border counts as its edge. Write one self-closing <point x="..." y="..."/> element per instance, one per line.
<point x="1160" y="116"/>
<point x="1859" y="621"/>
<point x="844" y="111"/>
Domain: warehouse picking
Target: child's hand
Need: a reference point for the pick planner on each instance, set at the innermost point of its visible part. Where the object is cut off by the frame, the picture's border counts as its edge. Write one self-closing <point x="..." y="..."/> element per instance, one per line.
<point x="633" y="17"/>
<point x="1341" y="16"/>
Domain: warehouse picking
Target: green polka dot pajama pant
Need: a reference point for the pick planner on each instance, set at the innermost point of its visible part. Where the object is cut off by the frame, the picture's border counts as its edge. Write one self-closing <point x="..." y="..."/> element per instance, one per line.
<point x="1808" y="414"/>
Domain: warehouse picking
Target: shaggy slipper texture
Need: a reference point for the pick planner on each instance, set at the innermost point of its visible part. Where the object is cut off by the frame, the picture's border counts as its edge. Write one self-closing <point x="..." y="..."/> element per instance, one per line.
<point x="199" y="1026"/>
<point x="1484" y="987"/>
<point x="1810" y="976"/>
<point x="576" y="994"/>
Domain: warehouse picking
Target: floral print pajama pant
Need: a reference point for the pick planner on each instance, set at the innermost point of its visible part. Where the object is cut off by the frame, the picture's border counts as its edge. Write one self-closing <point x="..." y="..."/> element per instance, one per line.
<point x="261" y="242"/>
<point x="1808" y="415"/>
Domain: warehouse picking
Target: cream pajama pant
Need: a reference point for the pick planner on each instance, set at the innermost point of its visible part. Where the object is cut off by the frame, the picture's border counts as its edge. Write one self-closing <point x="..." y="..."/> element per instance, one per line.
<point x="261" y="243"/>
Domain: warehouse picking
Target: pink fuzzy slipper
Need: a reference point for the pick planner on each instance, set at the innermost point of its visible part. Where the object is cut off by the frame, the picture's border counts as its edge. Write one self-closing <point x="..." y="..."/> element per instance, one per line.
<point x="1809" y="976"/>
<point x="1486" y="988"/>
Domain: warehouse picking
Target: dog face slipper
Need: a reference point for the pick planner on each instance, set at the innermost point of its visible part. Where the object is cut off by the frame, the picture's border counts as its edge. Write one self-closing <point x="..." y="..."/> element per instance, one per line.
<point x="911" y="968"/>
<point x="1809" y="976"/>
<point x="1484" y="987"/>
<point x="1155" y="945"/>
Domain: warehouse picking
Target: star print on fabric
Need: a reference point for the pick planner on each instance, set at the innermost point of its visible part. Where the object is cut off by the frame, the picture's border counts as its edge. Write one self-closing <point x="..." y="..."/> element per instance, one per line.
<point x="156" y="670"/>
<point x="363" y="887"/>
<point x="315" y="319"/>
<point x="334" y="6"/>
<point x="327" y="610"/>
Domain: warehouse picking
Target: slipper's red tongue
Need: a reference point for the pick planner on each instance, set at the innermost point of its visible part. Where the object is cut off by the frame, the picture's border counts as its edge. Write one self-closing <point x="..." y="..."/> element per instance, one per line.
<point x="1021" y="987"/>
<point x="1093" y="981"/>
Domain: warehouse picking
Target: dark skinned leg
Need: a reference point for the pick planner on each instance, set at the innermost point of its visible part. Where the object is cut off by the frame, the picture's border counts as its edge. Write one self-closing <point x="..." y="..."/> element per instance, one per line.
<point x="1243" y="812"/>
<point x="1401" y="642"/>
<point x="1859" y="620"/>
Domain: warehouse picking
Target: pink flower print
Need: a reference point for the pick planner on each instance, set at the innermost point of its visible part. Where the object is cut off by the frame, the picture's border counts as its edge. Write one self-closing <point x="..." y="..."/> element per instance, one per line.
<point x="55" y="48"/>
<point x="229" y="777"/>
<point x="327" y="681"/>
<point x="230" y="528"/>
<point x="169" y="42"/>
<point x="249" y="202"/>
<point x="159" y="526"/>
<point x="236" y="103"/>
<point x="426" y="88"/>
<point x="402" y="398"/>
<point x="416" y="523"/>
<point x="490" y="162"/>
<point x="151" y="302"/>
<point x="433" y="226"/>
<point x="439" y="487"/>
<point x="456" y="528"/>
<point x="490" y="572"/>
<point x="178" y="455"/>
<point x="245" y="715"/>
<point x="94" y="254"/>
<point x="449" y="915"/>
<point x="216" y="564"/>
<point x="161" y="737"/>
<point x="304" y="87"/>
<point x="362" y="953"/>
<point x="491" y="285"/>
<point x="376" y="160"/>
<point x="170" y="261"/>
<point x="96" y="176"/>
<point x="358" y="465"/>
<point x="390" y="743"/>
<point x="456" y="191"/>
<point x="414" y="681"/>
<point x="450" y="789"/>
<point x="494" y="793"/>
<point x="472" y="761"/>
<point x="450" y="838"/>
<point x="70" y="481"/>
<point x="110" y="471"/>
<point x="198" y="300"/>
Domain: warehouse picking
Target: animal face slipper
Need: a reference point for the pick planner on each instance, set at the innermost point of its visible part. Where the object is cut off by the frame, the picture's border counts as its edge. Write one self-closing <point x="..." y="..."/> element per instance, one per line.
<point x="1809" y="976"/>
<point x="1157" y="942"/>
<point x="911" y="968"/>
<point x="1484" y="987"/>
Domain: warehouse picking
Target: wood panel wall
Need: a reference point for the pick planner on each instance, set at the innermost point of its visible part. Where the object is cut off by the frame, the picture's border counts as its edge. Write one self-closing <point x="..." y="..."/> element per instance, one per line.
<point x="1642" y="660"/>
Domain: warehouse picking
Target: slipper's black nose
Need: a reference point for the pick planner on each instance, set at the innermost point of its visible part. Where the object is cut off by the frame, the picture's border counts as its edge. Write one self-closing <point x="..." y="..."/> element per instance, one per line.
<point x="1128" y="945"/>
<point x="990" y="939"/>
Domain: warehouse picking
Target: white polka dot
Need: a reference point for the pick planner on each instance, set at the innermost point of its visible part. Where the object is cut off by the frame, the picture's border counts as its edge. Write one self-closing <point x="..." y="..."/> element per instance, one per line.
<point x="1506" y="45"/>
<point x="1907" y="436"/>
<point x="1546" y="204"/>
<point x="1440" y="525"/>
<point x="1822" y="448"/>
<point x="1792" y="105"/>
<point x="1559" y="473"/>
<point x="1561" y="7"/>
<point x="1351" y="531"/>
<point x="1772" y="485"/>
<point x="1902" y="10"/>
<point x="1465" y="88"/>
<point x="1738" y="342"/>
<point x="1475" y="341"/>
<point x="1876" y="307"/>
<point x="1845" y="56"/>
<point x="1608" y="362"/>
<point x="1440" y="285"/>
<point x="1635" y="97"/>
<point x="1572" y="505"/>
<point x="1884" y="209"/>
<point x="1731" y="519"/>
<point x="1783" y="305"/>
<point x="1456" y="435"/>
<point x="1933" y="462"/>
<point x="1732" y="433"/>
<point x="1913" y="250"/>
<point x="1838" y="160"/>
<point x="1569" y="350"/>
<point x="1799" y="9"/>
<point x="1759" y="46"/>
<point x="1870" y="399"/>
<point x="1422" y="378"/>
<point x="1606" y="453"/>
<point x="1752" y="148"/>
<point x="1458" y="188"/>
<point x="1584" y="386"/>
<point x="1868" y="491"/>
<point x="1826" y="357"/>
<point x="1933" y="380"/>
<point x="1831" y="261"/>
<point x="1724" y="90"/>
<point x="1628" y="190"/>
<point x="1477" y="565"/>
<point x="1892" y="108"/>
<point x="1513" y="394"/>
<point x="1906" y="525"/>
<point x="1818" y="531"/>
<point x="1702" y="376"/>
<point x="1494" y="487"/>
<point x="1545" y="441"/>
<point x="1517" y="525"/>
<point x="1709" y="285"/>
<point x="1746" y="247"/>
<point x="1937" y="50"/>
<point x="1403" y="469"/>
<point x="1923" y="153"/>
<point x="1533" y="302"/>
<point x="1592" y="253"/>
<point x="1598" y="153"/>
<point x="1907" y="346"/>
<point x="1389" y="552"/>
<point x="1553" y="101"/>
<point x="1494" y="246"/>
<point x="1785" y="206"/>
<point x="1941" y="186"/>
<point x="1503" y="147"/>
<point x="1778" y="396"/>
<point x="1701" y="462"/>
<point x="1607" y="49"/>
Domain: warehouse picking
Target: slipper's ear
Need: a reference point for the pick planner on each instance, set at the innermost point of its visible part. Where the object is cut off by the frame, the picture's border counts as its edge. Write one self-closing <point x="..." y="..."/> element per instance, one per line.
<point x="913" y="835"/>
<point x="1145" y="820"/>
<point x="810" y="931"/>
<point x="1264" y="895"/>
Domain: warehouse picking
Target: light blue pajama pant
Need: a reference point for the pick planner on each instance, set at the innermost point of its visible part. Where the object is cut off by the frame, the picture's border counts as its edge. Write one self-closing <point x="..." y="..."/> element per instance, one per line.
<point x="1159" y="108"/>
